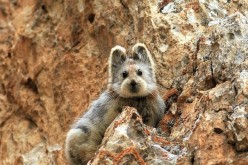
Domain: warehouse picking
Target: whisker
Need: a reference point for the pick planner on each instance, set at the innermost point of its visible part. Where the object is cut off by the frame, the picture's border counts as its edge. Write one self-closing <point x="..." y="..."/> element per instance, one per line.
<point x="151" y="93"/>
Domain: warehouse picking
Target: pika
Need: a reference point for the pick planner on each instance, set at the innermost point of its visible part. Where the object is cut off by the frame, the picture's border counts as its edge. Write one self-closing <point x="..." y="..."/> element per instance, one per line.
<point x="131" y="82"/>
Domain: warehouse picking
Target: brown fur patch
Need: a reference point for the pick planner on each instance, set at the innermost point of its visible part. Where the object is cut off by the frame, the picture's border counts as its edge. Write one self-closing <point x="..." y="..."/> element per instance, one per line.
<point x="131" y="65"/>
<point x="131" y="68"/>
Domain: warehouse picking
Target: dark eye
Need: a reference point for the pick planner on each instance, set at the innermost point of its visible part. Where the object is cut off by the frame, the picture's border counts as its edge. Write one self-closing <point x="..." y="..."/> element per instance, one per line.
<point x="124" y="74"/>
<point x="139" y="72"/>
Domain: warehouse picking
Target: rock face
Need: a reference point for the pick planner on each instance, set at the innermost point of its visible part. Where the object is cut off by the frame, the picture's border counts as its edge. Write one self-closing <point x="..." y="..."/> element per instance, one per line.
<point x="53" y="63"/>
<point x="129" y="141"/>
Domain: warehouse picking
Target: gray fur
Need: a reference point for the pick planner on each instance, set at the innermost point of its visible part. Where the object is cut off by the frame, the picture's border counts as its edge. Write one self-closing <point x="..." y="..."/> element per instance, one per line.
<point x="86" y="134"/>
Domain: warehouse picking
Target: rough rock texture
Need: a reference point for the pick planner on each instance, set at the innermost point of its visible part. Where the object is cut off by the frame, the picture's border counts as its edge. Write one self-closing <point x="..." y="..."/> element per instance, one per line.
<point x="53" y="63"/>
<point x="129" y="141"/>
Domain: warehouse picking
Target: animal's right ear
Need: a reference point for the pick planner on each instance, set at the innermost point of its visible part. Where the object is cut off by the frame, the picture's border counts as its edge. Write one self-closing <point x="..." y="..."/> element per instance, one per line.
<point x="117" y="57"/>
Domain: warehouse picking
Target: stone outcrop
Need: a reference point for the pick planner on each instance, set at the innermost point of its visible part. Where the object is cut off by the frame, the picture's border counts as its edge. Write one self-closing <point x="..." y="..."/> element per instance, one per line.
<point x="53" y="63"/>
<point x="128" y="140"/>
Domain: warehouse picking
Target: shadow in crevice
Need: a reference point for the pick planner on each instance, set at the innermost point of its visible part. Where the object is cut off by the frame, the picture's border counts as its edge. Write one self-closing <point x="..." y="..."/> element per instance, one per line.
<point x="30" y="84"/>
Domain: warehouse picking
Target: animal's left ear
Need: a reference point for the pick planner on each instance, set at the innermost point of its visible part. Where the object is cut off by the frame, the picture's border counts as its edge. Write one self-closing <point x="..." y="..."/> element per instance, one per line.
<point x="116" y="59"/>
<point x="141" y="53"/>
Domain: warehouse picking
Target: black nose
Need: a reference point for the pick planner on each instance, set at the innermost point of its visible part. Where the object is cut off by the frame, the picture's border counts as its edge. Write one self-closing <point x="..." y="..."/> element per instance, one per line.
<point x="133" y="86"/>
<point x="133" y="83"/>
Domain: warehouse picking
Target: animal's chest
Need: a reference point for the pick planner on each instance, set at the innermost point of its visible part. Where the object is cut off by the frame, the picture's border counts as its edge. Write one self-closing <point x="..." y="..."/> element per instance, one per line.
<point x="141" y="105"/>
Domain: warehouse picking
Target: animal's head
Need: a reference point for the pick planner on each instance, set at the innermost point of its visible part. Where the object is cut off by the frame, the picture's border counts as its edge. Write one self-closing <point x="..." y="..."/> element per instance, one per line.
<point x="132" y="76"/>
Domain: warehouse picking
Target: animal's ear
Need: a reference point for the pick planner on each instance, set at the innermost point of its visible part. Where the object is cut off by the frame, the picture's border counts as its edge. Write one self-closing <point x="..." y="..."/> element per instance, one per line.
<point x="116" y="58"/>
<point x="141" y="53"/>
<point x="117" y="55"/>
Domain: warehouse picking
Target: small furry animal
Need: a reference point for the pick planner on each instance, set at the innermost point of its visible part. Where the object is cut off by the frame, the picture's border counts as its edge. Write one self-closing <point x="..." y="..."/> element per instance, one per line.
<point x="131" y="83"/>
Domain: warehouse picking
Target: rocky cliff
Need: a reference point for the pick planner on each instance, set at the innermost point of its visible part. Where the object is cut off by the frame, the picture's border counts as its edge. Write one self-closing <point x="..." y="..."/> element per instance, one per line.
<point x="53" y="63"/>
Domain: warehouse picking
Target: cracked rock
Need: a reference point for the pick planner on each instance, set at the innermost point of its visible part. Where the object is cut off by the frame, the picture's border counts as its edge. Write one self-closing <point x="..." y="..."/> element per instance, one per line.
<point x="237" y="128"/>
<point x="128" y="140"/>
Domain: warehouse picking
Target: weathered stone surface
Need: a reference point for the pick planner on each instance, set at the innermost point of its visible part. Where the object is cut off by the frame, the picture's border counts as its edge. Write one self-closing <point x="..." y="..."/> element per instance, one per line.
<point x="129" y="141"/>
<point x="237" y="128"/>
<point x="53" y="63"/>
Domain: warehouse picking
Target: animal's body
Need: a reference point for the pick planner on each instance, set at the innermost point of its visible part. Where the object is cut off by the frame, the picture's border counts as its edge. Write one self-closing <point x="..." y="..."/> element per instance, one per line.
<point x="131" y="83"/>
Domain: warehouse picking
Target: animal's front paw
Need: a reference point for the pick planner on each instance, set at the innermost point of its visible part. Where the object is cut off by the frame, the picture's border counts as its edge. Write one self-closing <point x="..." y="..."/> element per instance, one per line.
<point x="80" y="147"/>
